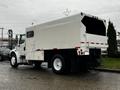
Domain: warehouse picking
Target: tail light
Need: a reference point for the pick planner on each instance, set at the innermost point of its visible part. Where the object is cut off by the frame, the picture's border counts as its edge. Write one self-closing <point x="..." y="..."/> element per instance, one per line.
<point x="78" y="50"/>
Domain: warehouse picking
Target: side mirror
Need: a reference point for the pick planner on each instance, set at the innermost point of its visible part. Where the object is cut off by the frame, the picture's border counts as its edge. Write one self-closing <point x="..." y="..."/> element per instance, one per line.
<point x="24" y="48"/>
<point x="18" y="45"/>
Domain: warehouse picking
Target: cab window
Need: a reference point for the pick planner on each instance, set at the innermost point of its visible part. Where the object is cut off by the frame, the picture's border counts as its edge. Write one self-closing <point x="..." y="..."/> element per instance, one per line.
<point x="30" y="34"/>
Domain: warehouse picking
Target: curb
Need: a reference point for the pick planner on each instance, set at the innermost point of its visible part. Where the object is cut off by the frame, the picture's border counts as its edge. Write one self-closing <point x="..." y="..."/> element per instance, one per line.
<point x="108" y="70"/>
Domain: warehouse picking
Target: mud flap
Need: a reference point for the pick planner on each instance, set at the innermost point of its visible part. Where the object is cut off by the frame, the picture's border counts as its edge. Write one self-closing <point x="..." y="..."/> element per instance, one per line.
<point x="95" y="57"/>
<point x="79" y="64"/>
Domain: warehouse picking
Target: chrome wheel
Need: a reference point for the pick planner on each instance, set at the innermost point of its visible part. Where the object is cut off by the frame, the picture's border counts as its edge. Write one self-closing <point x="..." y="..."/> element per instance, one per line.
<point x="13" y="60"/>
<point x="57" y="64"/>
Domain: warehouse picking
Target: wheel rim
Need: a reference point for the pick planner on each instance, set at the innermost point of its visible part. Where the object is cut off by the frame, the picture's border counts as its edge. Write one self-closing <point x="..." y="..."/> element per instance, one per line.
<point x="13" y="60"/>
<point x="57" y="64"/>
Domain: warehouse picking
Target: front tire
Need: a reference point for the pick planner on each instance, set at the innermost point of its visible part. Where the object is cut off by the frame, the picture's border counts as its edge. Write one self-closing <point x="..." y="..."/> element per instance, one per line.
<point x="13" y="61"/>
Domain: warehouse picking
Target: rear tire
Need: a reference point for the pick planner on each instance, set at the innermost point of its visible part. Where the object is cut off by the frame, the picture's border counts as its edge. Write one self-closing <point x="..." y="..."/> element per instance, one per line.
<point x="1" y="58"/>
<point x="59" y="65"/>
<point x="13" y="61"/>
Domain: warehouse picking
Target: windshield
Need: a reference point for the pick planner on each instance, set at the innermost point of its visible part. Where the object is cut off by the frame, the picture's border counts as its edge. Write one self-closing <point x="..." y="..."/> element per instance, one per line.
<point x="22" y="39"/>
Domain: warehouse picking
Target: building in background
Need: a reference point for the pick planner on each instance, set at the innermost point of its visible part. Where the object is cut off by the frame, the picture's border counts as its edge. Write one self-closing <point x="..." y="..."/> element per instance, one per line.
<point x="118" y="44"/>
<point x="4" y="42"/>
<point x="118" y="41"/>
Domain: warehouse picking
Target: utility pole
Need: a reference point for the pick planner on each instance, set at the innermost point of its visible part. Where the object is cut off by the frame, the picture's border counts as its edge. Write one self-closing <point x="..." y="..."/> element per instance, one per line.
<point x="10" y="36"/>
<point x="2" y="36"/>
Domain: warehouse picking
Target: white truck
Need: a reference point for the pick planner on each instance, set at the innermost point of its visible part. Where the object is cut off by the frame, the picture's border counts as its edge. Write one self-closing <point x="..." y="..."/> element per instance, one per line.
<point x="69" y="44"/>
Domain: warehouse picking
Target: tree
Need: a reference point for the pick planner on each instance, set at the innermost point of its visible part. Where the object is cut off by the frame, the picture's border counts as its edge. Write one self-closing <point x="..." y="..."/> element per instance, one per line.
<point x="16" y="39"/>
<point x="112" y="42"/>
<point x="10" y="36"/>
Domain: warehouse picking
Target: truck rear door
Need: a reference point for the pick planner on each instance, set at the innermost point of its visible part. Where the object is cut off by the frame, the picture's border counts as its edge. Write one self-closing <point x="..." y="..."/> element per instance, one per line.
<point x="95" y="32"/>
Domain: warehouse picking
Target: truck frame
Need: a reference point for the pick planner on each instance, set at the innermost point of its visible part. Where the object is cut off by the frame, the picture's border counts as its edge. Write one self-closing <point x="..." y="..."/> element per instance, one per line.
<point x="69" y="44"/>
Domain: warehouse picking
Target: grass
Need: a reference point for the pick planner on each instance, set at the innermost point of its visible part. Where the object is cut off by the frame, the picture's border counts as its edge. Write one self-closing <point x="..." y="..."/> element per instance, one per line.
<point x="111" y="63"/>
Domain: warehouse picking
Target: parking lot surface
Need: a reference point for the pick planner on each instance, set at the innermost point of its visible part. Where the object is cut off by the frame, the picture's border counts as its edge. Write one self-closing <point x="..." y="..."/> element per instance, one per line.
<point x="28" y="78"/>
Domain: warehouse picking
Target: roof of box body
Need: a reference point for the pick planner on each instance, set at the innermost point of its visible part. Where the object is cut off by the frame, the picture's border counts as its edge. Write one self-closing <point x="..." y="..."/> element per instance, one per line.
<point x="62" y="20"/>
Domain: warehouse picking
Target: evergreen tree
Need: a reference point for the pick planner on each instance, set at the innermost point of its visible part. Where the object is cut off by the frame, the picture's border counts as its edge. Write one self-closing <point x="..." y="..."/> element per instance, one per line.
<point x="112" y="42"/>
<point x="16" y="39"/>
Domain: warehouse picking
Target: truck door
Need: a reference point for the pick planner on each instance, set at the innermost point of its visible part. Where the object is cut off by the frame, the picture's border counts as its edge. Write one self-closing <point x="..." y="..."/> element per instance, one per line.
<point x="30" y="45"/>
<point x="21" y="44"/>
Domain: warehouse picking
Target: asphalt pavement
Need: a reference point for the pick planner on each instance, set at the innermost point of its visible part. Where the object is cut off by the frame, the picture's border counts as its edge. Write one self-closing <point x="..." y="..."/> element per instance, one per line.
<point x="28" y="78"/>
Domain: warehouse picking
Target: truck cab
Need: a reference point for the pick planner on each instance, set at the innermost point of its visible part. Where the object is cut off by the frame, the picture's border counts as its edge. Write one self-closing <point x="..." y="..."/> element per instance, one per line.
<point x="19" y="51"/>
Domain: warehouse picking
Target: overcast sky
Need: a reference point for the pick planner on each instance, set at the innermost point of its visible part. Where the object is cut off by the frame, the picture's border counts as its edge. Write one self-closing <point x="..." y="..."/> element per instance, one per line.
<point x="19" y="14"/>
